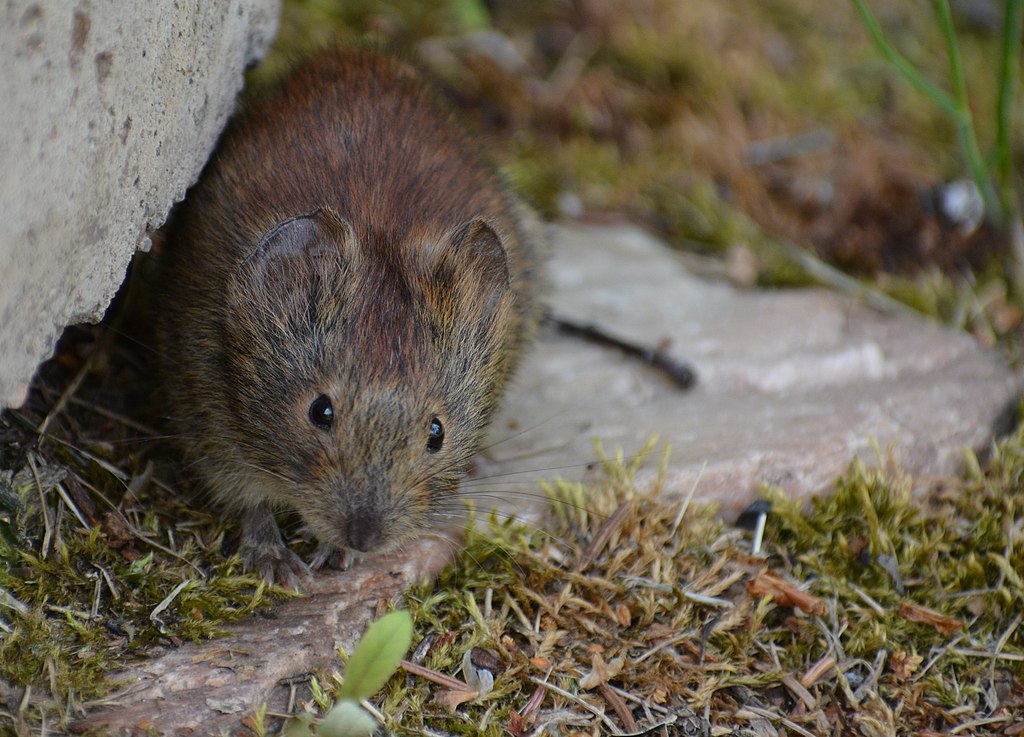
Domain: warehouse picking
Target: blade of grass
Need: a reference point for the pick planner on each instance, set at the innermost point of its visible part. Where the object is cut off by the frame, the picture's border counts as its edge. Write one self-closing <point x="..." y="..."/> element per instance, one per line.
<point x="963" y="119"/>
<point x="954" y="105"/>
<point x="1008" y="74"/>
<point x="941" y="98"/>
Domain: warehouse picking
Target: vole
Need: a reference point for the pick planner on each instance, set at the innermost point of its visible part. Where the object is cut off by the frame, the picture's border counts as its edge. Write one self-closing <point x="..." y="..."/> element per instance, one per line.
<point x="345" y="293"/>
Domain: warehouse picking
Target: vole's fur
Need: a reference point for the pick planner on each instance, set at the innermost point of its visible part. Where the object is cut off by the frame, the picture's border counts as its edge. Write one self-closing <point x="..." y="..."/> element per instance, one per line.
<point x="346" y="241"/>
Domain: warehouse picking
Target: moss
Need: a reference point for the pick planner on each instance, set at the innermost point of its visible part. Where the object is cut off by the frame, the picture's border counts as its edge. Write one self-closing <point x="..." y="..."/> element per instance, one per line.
<point x="98" y="564"/>
<point x="622" y="575"/>
<point x="957" y="553"/>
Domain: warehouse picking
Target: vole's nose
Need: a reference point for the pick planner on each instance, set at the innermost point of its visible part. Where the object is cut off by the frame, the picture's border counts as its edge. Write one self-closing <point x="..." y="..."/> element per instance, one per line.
<point x="363" y="533"/>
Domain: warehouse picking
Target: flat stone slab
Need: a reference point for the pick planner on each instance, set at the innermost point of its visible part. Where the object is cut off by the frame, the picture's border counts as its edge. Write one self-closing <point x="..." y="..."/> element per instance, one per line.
<point x="793" y="385"/>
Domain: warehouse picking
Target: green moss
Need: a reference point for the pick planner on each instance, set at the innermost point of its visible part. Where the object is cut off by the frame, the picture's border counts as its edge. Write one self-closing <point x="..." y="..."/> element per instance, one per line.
<point x="954" y="548"/>
<point x="98" y="565"/>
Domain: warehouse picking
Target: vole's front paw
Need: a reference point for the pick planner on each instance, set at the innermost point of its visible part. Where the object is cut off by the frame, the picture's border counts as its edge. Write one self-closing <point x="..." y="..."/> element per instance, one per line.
<point x="263" y="550"/>
<point x="328" y="555"/>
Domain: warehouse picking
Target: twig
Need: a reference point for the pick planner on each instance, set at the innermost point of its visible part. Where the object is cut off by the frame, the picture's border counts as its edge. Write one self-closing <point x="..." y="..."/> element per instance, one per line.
<point x="775" y="716"/>
<point x="66" y="394"/>
<point x="686" y="502"/>
<point x="601" y="538"/>
<point x="576" y="700"/>
<point x="832" y="277"/>
<point x="680" y="372"/>
<point x="436" y="677"/>
<point x="44" y="510"/>
<point x="618" y="705"/>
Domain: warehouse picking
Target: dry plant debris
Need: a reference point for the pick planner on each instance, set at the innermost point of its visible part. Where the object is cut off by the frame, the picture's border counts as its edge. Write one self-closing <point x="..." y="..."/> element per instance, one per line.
<point x="101" y="561"/>
<point x="875" y="611"/>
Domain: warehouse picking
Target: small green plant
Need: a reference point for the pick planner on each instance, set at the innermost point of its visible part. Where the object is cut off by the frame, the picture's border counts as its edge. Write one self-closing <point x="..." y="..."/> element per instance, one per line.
<point x="376" y="658"/>
<point x="993" y="175"/>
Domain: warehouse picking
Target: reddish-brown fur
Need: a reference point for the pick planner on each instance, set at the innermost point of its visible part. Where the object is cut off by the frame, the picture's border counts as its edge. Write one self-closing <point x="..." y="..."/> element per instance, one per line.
<point x="346" y="240"/>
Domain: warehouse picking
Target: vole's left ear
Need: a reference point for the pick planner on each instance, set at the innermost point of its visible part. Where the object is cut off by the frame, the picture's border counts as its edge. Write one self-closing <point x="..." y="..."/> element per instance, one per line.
<point x="470" y="258"/>
<point x="295" y="267"/>
<point x="482" y="247"/>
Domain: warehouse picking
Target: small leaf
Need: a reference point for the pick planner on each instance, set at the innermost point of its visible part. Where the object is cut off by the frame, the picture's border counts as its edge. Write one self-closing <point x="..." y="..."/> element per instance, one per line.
<point x="377" y="656"/>
<point x="347" y="719"/>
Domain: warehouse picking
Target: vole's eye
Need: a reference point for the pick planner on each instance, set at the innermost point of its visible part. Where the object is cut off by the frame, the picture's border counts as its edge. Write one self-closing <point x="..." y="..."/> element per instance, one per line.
<point x="436" y="439"/>
<point x="321" y="412"/>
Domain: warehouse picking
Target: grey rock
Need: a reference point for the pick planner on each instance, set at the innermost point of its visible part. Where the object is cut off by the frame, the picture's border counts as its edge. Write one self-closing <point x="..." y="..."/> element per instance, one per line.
<point x="109" y="112"/>
<point x="792" y="384"/>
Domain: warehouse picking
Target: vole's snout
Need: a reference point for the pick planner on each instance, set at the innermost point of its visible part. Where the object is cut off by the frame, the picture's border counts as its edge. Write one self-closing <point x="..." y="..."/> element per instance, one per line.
<point x="363" y="532"/>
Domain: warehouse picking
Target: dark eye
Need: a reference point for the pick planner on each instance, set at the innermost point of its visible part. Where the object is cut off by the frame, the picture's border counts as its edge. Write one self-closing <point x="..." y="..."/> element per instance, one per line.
<point x="321" y="412"/>
<point x="436" y="439"/>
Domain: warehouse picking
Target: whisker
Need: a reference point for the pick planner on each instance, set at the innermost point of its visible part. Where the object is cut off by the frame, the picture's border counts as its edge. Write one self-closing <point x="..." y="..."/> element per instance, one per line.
<point x="520" y="433"/>
<point x="267" y="471"/>
<point x="549" y="469"/>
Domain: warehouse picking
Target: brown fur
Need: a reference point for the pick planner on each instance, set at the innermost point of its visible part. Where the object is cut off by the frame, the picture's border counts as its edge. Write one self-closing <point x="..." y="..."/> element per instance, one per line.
<point x="345" y="240"/>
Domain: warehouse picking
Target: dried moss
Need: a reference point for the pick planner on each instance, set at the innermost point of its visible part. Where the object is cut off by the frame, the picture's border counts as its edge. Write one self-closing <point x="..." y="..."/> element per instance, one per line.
<point x="672" y="598"/>
<point x="100" y="562"/>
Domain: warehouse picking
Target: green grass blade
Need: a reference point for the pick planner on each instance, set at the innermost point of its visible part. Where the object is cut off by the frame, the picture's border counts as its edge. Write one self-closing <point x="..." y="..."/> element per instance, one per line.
<point x="976" y="166"/>
<point x="941" y="98"/>
<point x="1008" y="75"/>
<point x="956" y="68"/>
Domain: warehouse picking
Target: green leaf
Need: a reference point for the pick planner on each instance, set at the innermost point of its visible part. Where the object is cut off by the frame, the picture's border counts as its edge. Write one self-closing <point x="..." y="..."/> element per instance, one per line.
<point x="377" y="656"/>
<point x="347" y="719"/>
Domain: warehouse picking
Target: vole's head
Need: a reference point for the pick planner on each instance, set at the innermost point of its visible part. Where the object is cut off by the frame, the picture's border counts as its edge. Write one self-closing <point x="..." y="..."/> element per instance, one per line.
<point x="363" y="371"/>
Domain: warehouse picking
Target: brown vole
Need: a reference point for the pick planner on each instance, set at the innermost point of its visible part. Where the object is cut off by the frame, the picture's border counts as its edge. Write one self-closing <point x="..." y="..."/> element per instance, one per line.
<point x="347" y="289"/>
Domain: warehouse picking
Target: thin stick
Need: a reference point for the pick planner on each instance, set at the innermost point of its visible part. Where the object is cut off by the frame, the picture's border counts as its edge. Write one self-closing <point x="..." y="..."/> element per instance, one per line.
<point x="576" y="700"/>
<point x="680" y="372"/>
<point x="601" y="538"/>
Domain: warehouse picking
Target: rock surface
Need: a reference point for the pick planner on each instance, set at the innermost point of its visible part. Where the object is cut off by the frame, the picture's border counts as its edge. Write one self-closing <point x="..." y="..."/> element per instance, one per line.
<point x="108" y="115"/>
<point x="792" y="385"/>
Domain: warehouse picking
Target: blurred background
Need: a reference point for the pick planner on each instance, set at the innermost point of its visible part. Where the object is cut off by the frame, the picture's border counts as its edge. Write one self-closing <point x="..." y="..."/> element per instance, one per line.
<point x="771" y="135"/>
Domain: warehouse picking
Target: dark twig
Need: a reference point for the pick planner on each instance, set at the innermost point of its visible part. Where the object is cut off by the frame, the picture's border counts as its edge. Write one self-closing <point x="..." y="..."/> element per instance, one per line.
<point x="680" y="372"/>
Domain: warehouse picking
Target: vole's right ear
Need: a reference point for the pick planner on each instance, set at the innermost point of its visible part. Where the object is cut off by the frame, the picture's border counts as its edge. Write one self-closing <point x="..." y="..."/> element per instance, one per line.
<point x="305" y="235"/>
<point x="295" y="267"/>
<point x="298" y="249"/>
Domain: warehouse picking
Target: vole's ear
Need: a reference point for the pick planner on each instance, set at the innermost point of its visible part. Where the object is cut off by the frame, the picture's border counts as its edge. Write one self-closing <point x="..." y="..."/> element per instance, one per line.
<point x="468" y="277"/>
<point x="301" y="236"/>
<point x="297" y="249"/>
<point x="298" y="258"/>
<point x="471" y="255"/>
